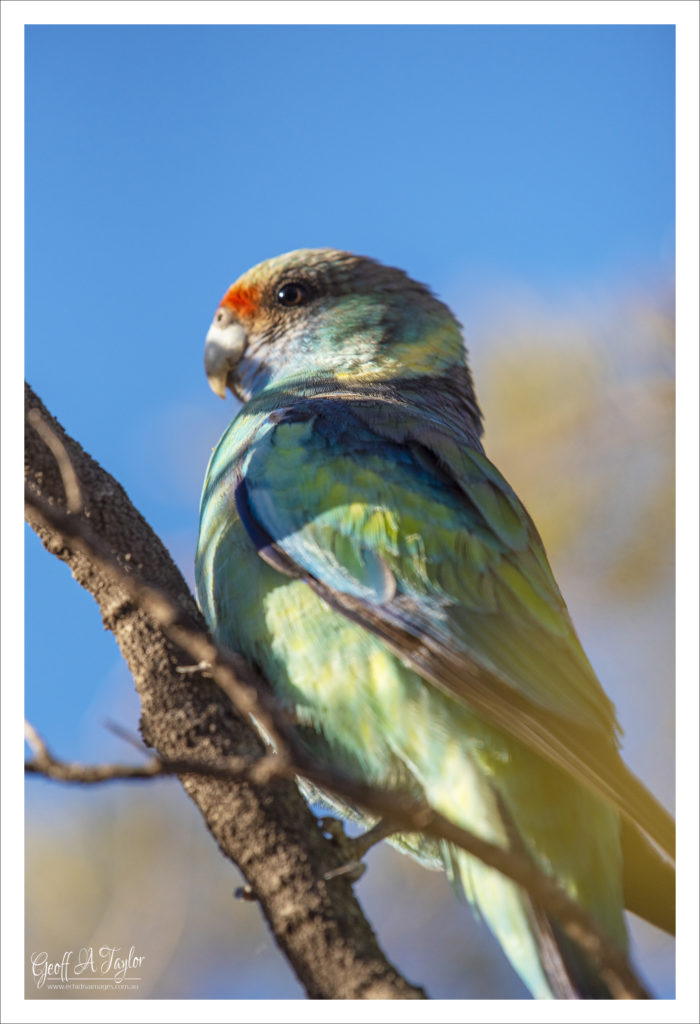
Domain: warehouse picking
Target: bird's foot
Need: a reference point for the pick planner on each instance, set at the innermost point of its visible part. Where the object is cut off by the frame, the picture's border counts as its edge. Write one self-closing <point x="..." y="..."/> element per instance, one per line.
<point x="353" y="848"/>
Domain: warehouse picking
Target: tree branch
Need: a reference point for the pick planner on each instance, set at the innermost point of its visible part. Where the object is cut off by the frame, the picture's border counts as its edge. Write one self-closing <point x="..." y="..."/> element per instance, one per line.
<point x="249" y="696"/>
<point x="267" y="830"/>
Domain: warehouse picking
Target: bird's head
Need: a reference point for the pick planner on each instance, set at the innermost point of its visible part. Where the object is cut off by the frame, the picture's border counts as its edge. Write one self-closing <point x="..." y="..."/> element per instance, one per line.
<point x="321" y="314"/>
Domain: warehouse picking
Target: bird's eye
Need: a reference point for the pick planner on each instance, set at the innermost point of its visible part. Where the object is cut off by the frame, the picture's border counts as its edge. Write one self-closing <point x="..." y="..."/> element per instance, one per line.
<point x="293" y="294"/>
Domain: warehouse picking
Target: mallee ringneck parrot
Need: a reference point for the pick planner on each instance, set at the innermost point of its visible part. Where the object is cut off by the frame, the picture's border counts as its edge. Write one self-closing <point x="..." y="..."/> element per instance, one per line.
<point x="357" y="545"/>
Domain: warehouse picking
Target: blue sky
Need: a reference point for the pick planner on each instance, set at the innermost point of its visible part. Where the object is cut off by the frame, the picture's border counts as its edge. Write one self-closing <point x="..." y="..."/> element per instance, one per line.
<point x="163" y="161"/>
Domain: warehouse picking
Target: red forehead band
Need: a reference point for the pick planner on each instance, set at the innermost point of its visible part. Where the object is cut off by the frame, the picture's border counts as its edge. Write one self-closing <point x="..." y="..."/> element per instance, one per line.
<point x="243" y="301"/>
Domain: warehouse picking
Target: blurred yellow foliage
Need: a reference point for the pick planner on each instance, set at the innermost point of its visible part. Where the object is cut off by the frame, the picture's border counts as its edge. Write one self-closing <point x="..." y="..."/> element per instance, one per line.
<point x="580" y="421"/>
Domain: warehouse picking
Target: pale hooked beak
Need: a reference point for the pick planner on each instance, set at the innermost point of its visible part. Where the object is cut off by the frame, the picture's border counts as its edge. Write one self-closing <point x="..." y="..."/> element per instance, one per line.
<point x="224" y="347"/>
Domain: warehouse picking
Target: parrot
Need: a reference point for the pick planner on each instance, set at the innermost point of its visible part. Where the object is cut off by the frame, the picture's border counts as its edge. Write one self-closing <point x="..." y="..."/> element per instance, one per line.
<point x="358" y="547"/>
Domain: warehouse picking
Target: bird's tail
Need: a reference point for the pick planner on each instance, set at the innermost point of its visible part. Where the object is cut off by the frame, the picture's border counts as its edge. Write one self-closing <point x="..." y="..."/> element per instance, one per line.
<point x="549" y="963"/>
<point x="568" y="970"/>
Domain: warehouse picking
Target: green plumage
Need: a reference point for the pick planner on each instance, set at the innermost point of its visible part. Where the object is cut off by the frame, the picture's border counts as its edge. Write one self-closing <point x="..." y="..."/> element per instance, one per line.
<point x="357" y="545"/>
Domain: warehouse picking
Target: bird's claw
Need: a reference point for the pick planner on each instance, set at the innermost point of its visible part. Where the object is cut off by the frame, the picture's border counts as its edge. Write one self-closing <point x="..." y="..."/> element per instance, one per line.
<point x="353" y="848"/>
<point x="352" y="870"/>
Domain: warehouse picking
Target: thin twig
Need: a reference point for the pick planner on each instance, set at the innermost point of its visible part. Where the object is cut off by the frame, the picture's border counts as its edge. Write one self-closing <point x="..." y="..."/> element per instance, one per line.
<point x="35" y="741"/>
<point x="126" y="735"/>
<point x="255" y="769"/>
<point x="71" y="484"/>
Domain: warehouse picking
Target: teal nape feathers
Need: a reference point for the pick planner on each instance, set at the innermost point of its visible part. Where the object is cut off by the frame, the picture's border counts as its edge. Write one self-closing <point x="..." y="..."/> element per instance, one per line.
<point x="358" y="546"/>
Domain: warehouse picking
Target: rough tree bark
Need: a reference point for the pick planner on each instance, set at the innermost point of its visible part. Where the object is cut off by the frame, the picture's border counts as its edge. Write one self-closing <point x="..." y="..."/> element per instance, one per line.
<point x="267" y="830"/>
